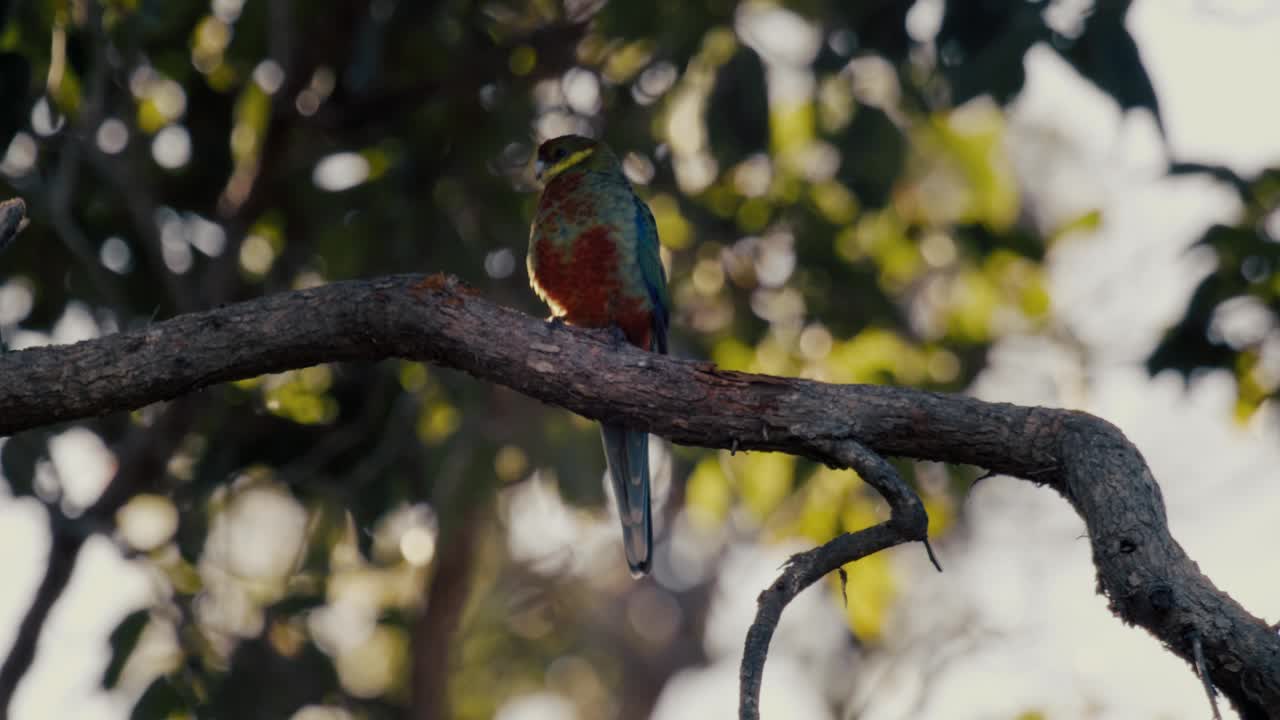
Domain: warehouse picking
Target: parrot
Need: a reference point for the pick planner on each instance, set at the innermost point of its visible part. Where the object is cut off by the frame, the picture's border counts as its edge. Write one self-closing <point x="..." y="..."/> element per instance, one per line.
<point x="594" y="259"/>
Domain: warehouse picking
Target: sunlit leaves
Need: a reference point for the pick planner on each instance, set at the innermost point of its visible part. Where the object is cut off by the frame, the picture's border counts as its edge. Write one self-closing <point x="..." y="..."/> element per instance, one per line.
<point x="147" y="521"/>
<point x="510" y="463"/>
<point x="1006" y="294"/>
<point x="708" y="495"/>
<point x="438" y="421"/>
<point x="1254" y="382"/>
<point x="259" y="250"/>
<point x="871" y="591"/>
<point x="673" y="229"/>
<point x="208" y="43"/>
<point x="764" y="479"/>
<point x="834" y="202"/>
<point x="623" y="63"/>
<point x="791" y="130"/>
<point x="377" y="664"/>
<point x="876" y="356"/>
<point x="960" y="171"/>
<point x="1084" y="223"/>
<point x="522" y="60"/>
<point x="302" y="395"/>
<point x="253" y="109"/>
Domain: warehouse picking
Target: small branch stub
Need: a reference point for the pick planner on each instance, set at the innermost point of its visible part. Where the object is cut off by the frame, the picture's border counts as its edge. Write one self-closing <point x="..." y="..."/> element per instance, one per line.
<point x="1197" y="649"/>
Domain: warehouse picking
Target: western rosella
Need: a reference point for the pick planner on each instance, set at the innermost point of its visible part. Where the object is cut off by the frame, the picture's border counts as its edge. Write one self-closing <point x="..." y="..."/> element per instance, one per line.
<point x="593" y="257"/>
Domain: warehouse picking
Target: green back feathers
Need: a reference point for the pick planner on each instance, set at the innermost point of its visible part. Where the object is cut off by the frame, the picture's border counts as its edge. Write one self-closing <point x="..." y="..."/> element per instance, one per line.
<point x="598" y="177"/>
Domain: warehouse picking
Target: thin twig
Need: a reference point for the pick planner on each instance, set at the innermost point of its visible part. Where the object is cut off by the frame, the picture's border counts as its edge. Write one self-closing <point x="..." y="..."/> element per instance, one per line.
<point x="907" y="522"/>
<point x="1197" y="649"/>
<point x="932" y="557"/>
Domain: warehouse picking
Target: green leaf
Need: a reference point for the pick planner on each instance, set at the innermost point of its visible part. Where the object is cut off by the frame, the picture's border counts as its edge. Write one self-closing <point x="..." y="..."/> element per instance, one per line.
<point x="298" y="603"/>
<point x="981" y="241"/>
<point x="981" y="45"/>
<point x="1221" y="173"/>
<point x="739" y="109"/>
<point x="1107" y="55"/>
<point x="1186" y="346"/>
<point x="879" y="26"/>
<point x="19" y="456"/>
<point x="161" y="700"/>
<point x="873" y="154"/>
<point x="123" y="640"/>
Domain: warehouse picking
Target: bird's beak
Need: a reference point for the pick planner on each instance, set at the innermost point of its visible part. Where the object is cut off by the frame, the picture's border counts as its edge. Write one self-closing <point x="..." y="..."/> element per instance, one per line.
<point x="538" y="167"/>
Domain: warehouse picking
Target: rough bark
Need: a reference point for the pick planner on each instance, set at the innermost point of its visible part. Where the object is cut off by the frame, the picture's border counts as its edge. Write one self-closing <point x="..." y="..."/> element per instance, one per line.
<point x="1146" y="575"/>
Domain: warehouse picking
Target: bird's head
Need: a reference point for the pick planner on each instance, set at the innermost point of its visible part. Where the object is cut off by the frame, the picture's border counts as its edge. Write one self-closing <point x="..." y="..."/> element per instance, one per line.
<point x="559" y="154"/>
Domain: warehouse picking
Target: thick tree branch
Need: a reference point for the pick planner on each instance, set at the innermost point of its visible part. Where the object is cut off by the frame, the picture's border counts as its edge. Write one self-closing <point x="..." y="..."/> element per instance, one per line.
<point x="1147" y="576"/>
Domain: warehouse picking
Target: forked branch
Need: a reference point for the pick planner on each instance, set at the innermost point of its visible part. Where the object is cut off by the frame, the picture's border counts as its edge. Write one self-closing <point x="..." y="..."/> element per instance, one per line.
<point x="907" y="522"/>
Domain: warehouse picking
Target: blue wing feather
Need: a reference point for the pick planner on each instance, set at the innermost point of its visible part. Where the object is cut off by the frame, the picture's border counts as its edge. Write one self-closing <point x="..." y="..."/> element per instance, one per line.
<point x="627" y="454"/>
<point x="655" y="278"/>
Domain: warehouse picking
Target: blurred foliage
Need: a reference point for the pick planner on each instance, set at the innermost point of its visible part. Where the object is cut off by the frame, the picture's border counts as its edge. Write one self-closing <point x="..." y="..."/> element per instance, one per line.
<point x="1233" y="319"/>
<point x="834" y="199"/>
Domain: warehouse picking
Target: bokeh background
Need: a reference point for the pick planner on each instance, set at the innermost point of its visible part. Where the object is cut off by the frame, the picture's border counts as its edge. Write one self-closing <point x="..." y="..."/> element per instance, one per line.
<point x="1067" y="203"/>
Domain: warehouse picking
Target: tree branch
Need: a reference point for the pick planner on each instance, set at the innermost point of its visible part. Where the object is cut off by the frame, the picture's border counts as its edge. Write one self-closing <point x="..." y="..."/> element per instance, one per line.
<point x="907" y="522"/>
<point x="1146" y="575"/>
<point x="437" y="623"/>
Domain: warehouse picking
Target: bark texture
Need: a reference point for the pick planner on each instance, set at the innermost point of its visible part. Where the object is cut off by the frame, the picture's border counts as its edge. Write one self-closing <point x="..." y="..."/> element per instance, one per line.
<point x="1145" y="574"/>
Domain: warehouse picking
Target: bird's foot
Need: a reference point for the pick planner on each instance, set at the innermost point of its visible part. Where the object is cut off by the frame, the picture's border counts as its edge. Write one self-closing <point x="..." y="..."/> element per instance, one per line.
<point x="617" y="338"/>
<point x="555" y="322"/>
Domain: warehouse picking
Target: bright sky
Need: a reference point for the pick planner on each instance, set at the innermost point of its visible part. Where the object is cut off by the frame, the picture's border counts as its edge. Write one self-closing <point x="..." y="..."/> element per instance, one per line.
<point x="1013" y="625"/>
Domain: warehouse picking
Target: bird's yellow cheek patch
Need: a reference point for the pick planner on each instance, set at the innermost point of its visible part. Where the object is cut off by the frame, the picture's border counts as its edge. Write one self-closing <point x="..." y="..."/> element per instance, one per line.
<point x="572" y="159"/>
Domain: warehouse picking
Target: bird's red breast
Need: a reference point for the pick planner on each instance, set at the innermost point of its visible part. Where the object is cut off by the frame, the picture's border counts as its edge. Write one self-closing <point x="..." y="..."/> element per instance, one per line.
<point x="583" y="286"/>
<point x="583" y="254"/>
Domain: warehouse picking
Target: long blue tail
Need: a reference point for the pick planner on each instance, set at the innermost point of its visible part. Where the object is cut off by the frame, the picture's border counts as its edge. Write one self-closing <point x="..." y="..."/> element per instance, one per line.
<point x="627" y="452"/>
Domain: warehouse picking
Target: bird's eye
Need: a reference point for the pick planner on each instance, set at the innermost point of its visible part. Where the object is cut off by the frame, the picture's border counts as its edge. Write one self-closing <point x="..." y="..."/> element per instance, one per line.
<point x="559" y="154"/>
